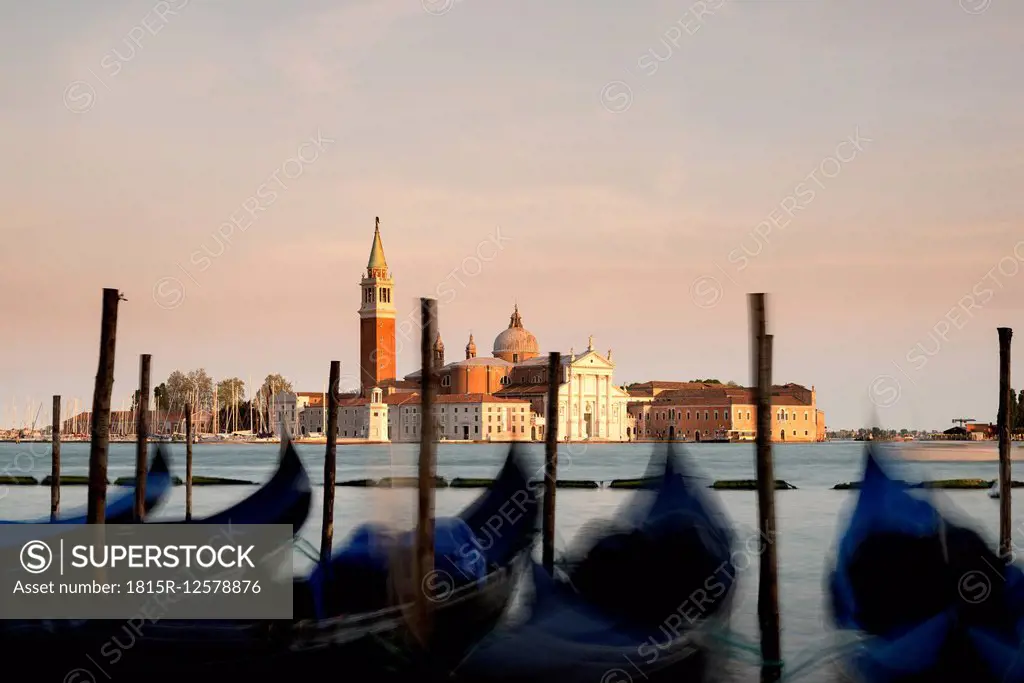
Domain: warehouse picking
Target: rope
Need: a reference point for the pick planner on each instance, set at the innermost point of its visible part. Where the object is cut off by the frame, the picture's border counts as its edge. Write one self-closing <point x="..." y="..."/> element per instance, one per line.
<point x="307" y="548"/>
<point x="808" y="659"/>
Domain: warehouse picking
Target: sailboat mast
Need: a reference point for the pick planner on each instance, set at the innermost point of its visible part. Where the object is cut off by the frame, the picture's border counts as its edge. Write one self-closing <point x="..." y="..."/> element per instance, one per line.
<point x="252" y="427"/>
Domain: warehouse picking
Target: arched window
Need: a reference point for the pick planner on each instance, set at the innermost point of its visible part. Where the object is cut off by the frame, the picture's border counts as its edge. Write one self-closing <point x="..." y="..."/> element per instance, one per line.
<point x="446" y="381"/>
<point x="505" y="380"/>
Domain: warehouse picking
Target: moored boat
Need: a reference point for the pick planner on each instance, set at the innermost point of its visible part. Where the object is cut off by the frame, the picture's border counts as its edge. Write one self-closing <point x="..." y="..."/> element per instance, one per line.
<point x="645" y="603"/>
<point x="121" y="502"/>
<point x="926" y="598"/>
<point x="352" y="612"/>
<point x="284" y="499"/>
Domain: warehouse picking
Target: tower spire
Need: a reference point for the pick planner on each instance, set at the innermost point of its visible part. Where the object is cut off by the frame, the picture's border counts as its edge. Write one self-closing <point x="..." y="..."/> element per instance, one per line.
<point x="377" y="261"/>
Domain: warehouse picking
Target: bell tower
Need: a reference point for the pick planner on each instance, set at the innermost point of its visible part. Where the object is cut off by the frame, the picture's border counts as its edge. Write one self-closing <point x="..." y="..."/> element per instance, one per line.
<point x="376" y="320"/>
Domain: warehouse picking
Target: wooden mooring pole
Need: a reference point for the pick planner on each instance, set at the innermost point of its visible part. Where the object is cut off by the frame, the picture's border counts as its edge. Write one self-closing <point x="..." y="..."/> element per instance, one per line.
<point x="1005" y="483"/>
<point x="427" y="471"/>
<point x="330" y="464"/>
<point x="142" y="437"/>
<point x="188" y="462"/>
<point x="55" y="462"/>
<point x="100" y="442"/>
<point x="768" y="587"/>
<point x="551" y="461"/>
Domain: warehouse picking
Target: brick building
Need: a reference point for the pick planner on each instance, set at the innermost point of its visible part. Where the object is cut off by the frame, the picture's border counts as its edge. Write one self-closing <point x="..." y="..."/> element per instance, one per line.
<point x="703" y="412"/>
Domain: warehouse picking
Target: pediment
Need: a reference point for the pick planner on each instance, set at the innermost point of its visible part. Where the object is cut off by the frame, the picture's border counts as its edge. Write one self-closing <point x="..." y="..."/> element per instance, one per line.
<point x="592" y="359"/>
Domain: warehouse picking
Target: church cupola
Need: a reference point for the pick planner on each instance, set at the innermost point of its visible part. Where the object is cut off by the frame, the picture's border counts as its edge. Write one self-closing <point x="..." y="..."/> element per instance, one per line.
<point x="470" y="348"/>
<point x="516" y="344"/>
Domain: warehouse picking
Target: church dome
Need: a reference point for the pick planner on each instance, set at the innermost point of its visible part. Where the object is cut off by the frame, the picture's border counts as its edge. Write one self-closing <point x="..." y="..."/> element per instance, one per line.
<point x="516" y="344"/>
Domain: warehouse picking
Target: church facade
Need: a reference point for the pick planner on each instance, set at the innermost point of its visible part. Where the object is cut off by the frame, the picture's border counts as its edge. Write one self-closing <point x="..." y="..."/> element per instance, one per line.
<point x="591" y="407"/>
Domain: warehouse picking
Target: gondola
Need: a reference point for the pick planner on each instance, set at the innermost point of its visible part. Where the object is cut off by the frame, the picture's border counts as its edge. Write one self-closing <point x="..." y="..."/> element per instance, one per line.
<point x="121" y="506"/>
<point x="284" y="499"/>
<point x="924" y="598"/>
<point x="345" y="614"/>
<point x="644" y="603"/>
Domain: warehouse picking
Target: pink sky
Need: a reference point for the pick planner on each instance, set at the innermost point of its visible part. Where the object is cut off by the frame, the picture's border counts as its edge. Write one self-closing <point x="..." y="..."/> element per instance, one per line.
<point x="625" y="223"/>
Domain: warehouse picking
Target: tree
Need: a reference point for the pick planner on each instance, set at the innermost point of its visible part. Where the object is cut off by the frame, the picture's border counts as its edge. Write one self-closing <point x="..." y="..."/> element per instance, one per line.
<point x="230" y="392"/>
<point x="200" y="387"/>
<point x="178" y="389"/>
<point x="274" y="384"/>
<point x="230" y="402"/>
<point x="1018" y="421"/>
<point x="196" y="388"/>
<point x="160" y="396"/>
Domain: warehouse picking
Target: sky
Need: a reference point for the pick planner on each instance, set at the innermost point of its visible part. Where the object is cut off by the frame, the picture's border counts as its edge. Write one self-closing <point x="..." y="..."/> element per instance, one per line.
<point x="628" y="170"/>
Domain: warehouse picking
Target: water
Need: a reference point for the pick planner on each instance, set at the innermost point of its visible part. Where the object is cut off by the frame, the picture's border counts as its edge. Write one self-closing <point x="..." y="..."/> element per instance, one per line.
<point x="809" y="518"/>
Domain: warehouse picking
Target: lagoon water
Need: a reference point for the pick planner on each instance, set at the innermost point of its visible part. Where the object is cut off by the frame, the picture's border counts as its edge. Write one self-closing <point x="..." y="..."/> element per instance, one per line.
<point x="809" y="518"/>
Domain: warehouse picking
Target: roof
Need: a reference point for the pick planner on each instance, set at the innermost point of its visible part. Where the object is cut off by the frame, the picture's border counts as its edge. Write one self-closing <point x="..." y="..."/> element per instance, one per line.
<point x="474" y="398"/>
<point x="500" y="362"/>
<point x="415" y="399"/>
<point x="524" y="389"/>
<point x="377" y="260"/>
<point x="722" y="395"/>
<point x="468" y="362"/>
<point x="401" y="398"/>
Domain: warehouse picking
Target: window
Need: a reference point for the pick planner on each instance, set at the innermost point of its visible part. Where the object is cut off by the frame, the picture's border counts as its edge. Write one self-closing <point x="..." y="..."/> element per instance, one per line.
<point x="476" y="430"/>
<point x="522" y="430"/>
<point x="446" y="381"/>
<point x="748" y="414"/>
<point x="705" y="415"/>
<point x="515" y="357"/>
<point x="687" y="415"/>
<point x="805" y="432"/>
<point x="376" y="414"/>
<point x="505" y="380"/>
<point x="794" y="432"/>
<point x="490" y="429"/>
<point x="490" y="418"/>
<point x="805" y="416"/>
<point x="716" y="414"/>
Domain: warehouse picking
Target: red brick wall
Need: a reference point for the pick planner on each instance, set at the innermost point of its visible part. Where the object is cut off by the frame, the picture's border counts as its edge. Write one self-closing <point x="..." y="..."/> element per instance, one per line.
<point x="376" y="350"/>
